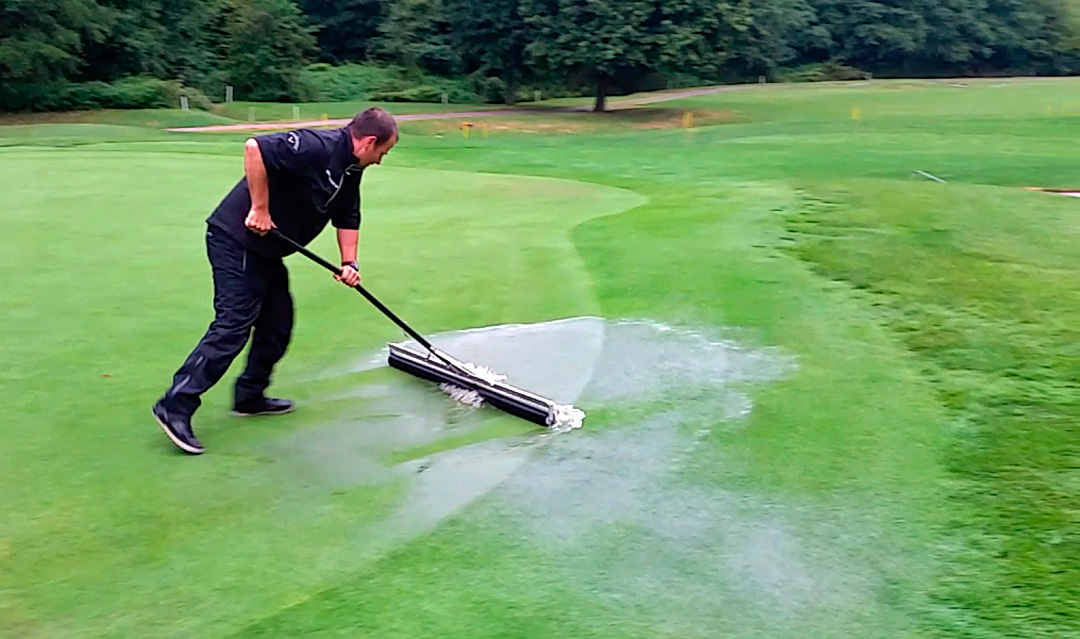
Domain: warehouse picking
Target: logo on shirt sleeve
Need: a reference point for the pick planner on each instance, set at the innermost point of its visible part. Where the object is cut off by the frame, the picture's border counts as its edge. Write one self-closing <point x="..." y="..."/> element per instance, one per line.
<point x="294" y="141"/>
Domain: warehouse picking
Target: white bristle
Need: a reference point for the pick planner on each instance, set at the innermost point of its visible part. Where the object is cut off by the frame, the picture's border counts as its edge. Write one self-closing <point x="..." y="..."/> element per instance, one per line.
<point x="565" y="418"/>
<point x="465" y="396"/>
<point x="484" y="373"/>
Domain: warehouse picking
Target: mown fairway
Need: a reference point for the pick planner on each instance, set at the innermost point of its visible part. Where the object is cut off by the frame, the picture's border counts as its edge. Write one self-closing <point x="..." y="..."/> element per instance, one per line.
<point x="912" y="474"/>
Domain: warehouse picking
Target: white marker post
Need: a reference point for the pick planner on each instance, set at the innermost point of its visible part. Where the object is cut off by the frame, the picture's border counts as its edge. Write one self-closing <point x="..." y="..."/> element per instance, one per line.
<point x="184" y="102"/>
<point x="930" y="177"/>
<point x="228" y="93"/>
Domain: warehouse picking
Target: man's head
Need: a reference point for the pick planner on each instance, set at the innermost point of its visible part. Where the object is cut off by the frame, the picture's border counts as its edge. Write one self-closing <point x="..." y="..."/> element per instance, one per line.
<point x="374" y="133"/>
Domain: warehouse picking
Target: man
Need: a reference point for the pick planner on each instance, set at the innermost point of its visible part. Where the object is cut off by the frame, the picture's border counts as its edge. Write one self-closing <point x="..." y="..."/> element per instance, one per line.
<point x="296" y="182"/>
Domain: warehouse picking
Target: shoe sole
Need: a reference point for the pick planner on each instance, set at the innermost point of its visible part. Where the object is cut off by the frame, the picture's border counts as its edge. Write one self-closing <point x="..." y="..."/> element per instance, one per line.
<point x="187" y="448"/>
<point x="267" y="412"/>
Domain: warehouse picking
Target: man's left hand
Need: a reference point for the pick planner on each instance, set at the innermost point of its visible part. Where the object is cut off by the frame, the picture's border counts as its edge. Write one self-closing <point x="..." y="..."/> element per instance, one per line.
<point x="349" y="276"/>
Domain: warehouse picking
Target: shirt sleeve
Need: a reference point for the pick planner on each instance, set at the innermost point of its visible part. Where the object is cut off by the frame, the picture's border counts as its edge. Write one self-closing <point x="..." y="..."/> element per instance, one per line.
<point x="292" y="152"/>
<point x="348" y="216"/>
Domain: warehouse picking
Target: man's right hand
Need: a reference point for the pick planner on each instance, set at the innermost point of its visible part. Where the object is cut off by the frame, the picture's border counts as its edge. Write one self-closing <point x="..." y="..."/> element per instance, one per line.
<point x="258" y="220"/>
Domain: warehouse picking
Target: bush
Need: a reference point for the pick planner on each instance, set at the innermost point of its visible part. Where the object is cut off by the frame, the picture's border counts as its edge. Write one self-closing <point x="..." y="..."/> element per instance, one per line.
<point x="369" y="82"/>
<point x="421" y="93"/>
<point x="427" y="93"/>
<point x="348" y="82"/>
<point x="489" y="88"/>
<point x="825" y="72"/>
<point x="125" y="93"/>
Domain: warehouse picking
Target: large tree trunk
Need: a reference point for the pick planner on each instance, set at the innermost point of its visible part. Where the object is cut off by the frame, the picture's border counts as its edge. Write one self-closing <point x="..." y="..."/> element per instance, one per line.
<point x="603" y="83"/>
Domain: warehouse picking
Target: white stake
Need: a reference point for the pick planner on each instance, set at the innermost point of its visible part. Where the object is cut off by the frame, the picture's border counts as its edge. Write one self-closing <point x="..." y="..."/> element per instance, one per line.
<point x="931" y="177"/>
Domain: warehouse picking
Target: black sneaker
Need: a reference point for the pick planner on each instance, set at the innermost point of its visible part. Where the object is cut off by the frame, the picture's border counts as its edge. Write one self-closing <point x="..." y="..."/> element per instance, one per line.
<point x="178" y="429"/>
<point x="263" y="406"/>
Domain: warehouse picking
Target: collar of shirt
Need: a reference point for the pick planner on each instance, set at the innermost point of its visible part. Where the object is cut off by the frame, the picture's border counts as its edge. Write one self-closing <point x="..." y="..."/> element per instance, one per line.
<point x="344" y="153"/>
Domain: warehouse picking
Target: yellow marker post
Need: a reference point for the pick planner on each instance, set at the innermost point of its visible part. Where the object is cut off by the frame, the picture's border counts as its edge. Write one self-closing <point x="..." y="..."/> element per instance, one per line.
<point x="688" y="120"/>
<point x="484" y="129"/>
<point x="465" y="126"/>
<point x="856" y="112"/>
<point x="325" y="118"/>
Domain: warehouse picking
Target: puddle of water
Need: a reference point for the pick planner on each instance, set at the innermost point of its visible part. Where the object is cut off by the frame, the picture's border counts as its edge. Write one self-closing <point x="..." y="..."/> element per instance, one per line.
<point x="648" y="360"/>
<point x="611" y="507"/>
<point x="448" y="481"/>
<point x="612" y="514"/>
<point x="553" y="359"/>
<point x="585" y="360"/>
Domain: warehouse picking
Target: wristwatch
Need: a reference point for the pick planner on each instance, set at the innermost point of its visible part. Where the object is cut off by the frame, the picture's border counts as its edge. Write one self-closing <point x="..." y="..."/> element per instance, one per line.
<point x="354" y="265"/>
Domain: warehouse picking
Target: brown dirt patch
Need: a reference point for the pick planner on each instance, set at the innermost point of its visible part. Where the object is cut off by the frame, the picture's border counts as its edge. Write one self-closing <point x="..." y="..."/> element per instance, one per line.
<point x="561" y="122"/>
<point x="673" y="118"/>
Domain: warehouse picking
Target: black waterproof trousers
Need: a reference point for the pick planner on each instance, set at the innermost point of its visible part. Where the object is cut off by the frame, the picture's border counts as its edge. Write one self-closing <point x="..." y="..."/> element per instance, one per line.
<point x="250" y="292"/>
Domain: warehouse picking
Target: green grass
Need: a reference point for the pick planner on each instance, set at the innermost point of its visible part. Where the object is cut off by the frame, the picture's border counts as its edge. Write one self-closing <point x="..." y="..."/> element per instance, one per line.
<point x="145" y="118"/>
<point x="917" y="468"/>
<point x="981" y="285"/>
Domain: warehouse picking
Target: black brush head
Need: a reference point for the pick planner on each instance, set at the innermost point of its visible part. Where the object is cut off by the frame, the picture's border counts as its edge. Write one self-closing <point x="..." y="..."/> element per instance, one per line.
<point x="508" y="399"/>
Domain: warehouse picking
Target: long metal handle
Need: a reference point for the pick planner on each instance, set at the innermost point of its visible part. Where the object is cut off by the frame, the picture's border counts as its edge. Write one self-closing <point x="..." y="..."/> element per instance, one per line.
<point x="363" y="291"/>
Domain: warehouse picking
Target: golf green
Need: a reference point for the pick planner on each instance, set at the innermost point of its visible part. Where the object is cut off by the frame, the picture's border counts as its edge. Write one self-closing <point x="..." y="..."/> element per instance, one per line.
<point x="827" y="396"/>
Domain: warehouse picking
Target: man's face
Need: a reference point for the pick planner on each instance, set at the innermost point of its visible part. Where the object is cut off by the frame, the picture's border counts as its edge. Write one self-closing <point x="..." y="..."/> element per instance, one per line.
<point x="368" y="152"/>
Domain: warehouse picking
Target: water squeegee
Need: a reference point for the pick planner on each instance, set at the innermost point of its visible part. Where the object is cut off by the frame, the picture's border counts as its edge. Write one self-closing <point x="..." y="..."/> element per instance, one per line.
<point x="464" y="381"/>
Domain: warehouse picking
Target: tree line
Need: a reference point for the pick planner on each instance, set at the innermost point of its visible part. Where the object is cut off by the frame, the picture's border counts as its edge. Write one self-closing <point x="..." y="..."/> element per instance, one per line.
<point x="84" y="53"/>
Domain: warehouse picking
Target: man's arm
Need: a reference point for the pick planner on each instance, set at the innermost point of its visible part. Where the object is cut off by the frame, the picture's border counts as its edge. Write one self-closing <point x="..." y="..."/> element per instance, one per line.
<point x="348" y="240"/>
<point x="258" y="218"/>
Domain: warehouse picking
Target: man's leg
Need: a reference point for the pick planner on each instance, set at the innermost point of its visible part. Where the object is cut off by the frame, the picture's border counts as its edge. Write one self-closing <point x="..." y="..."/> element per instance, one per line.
<point x="239" y="287"/>
<point x="273" y="330"/>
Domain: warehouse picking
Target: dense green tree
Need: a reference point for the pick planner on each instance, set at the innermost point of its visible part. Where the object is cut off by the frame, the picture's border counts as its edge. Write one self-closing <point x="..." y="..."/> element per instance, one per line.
<point x="947" y="36"/>
<point x="57" y="54"/>
<point x="347" y="29"/>
<point x="1069" y="47"/>
<point x="41" y="46"/>
<point x="491" y="36"/>
<point x="169" y="39"/>
<point x="267" y="45"/>
<point x="608" y="38"/>
<point x="135" y="42"/>
<point x="1026" y="33"/>
<point x="419" y="33"/>
<point x="194" y="42"/>
<point x="957" y="36"/>
<point x="872" y="34"/>
<point x="775" y="33"/>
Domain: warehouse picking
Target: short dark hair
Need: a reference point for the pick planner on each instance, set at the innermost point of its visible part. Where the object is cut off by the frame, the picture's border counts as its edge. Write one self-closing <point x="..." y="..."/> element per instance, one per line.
<point x="373" y="121"/>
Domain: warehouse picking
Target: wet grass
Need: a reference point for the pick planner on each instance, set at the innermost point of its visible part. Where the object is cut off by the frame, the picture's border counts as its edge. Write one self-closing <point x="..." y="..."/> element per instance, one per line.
<point x="981" y="285"/>
<point x="927" y="435"/>
<point x="86" y="475"/>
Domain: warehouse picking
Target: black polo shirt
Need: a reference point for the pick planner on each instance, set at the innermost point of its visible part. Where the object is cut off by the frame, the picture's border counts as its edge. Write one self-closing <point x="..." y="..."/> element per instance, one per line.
<point x="314" y="179"/>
